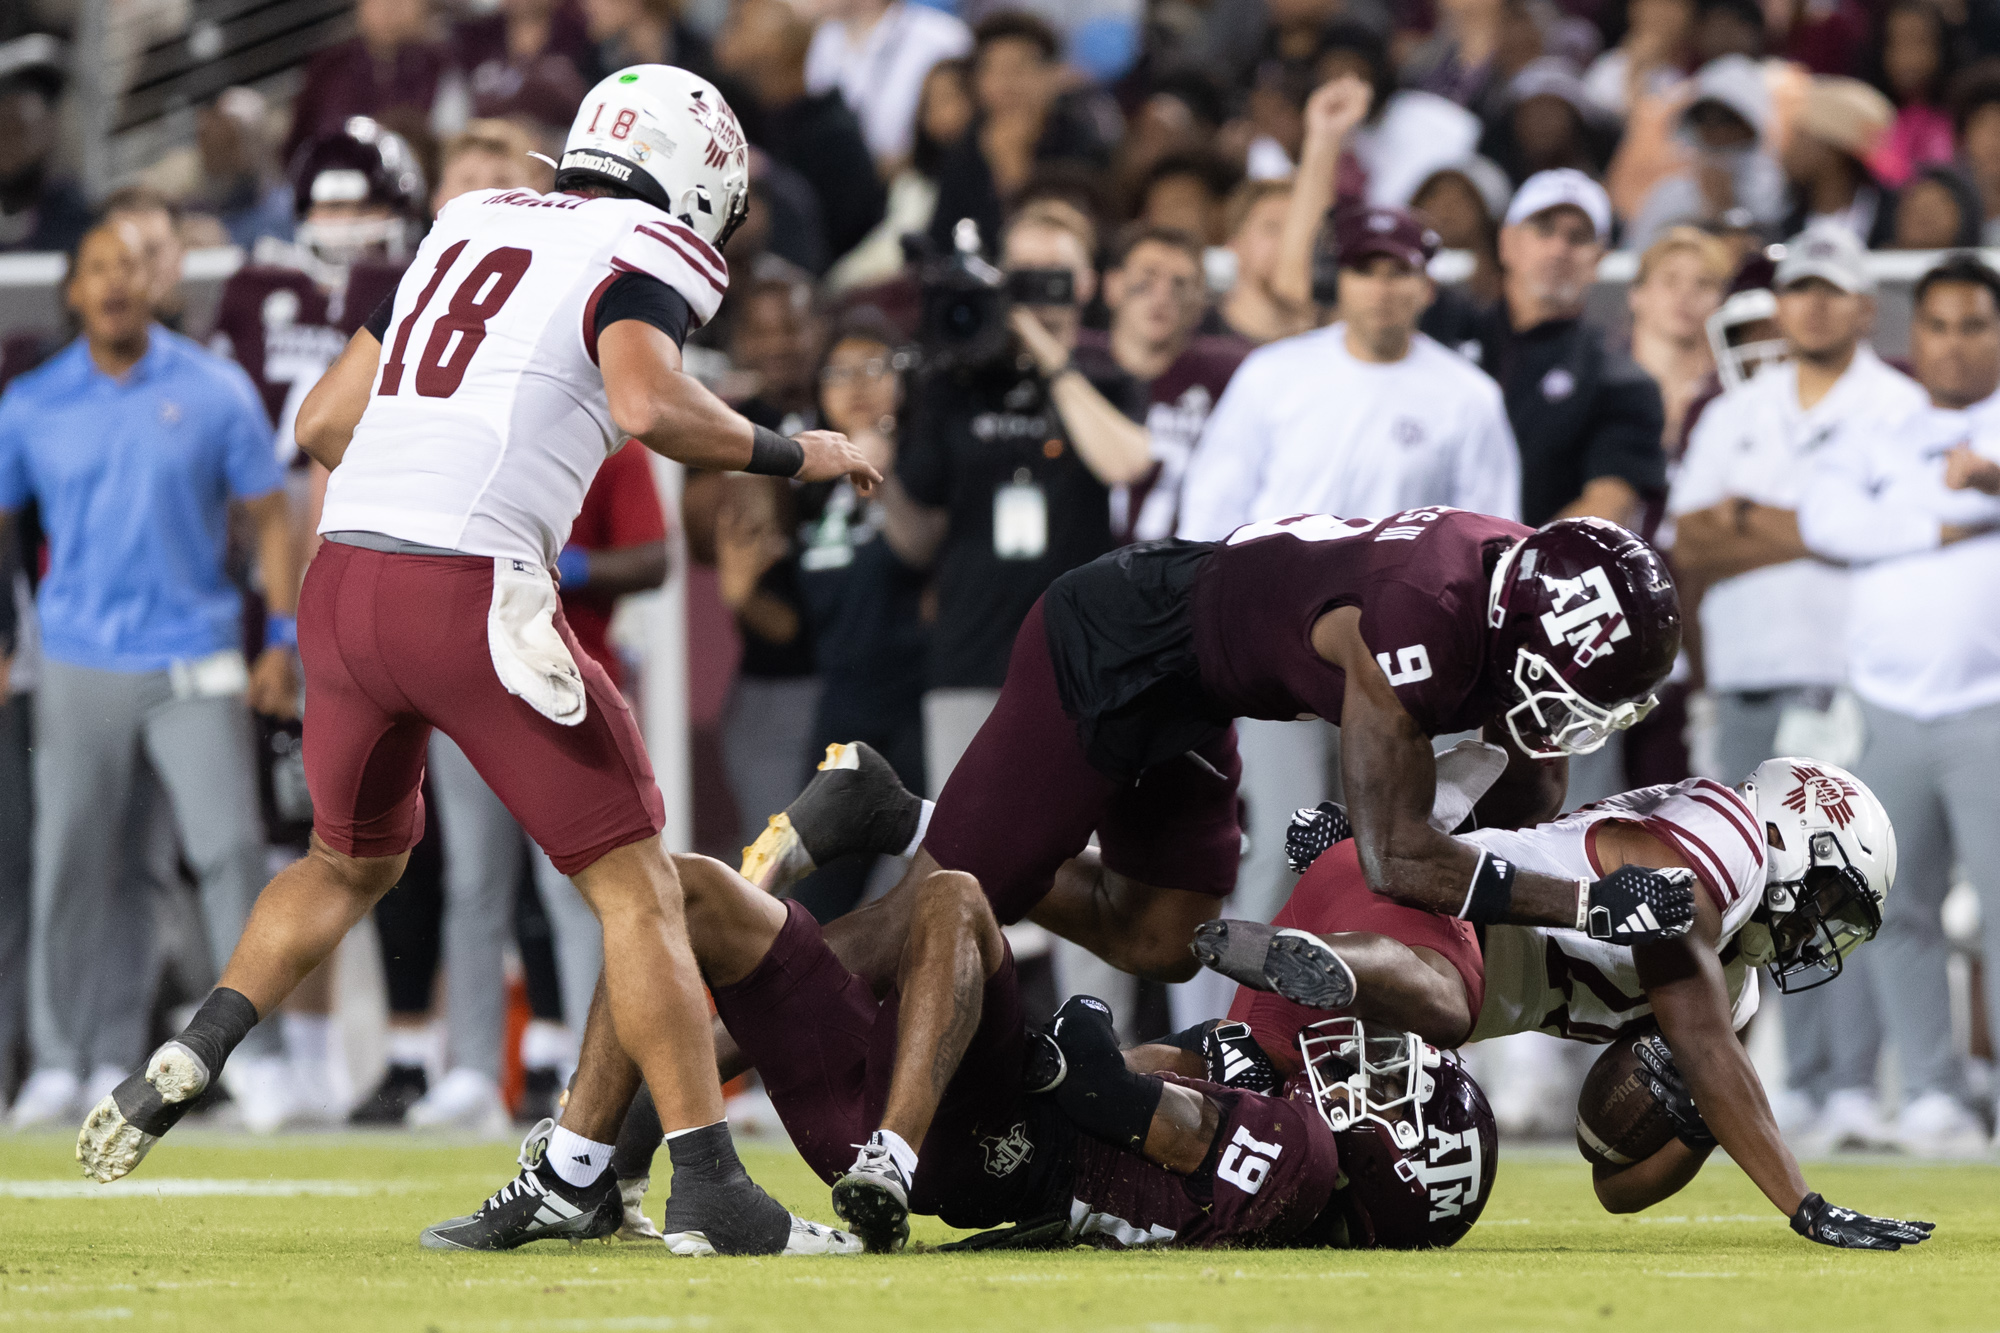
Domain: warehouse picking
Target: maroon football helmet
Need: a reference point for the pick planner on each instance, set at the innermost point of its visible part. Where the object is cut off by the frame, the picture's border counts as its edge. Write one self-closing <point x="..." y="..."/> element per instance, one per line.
<point x="1417" y="1141"/>
<point x="1584" y="622"/>
<point x="370" y="170"/>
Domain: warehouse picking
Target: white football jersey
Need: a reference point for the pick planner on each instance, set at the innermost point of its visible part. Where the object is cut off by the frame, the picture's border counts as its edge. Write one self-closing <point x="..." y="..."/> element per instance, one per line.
<point x="488" y="419"/>
<point x="1563" y="982"/>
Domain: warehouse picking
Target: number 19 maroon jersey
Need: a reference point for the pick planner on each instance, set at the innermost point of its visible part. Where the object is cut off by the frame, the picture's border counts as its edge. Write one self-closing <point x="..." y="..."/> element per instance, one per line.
<point x="488" y="418"/>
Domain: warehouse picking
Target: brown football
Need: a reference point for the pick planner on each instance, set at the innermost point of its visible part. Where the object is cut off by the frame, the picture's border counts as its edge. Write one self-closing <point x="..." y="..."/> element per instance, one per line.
<point x="1618" y="1121"/>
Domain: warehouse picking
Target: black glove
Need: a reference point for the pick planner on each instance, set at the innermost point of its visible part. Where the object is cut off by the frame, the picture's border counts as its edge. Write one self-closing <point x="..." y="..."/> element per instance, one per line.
<point x="1670" y="1090"/>
<point x="1830" y="1224"/>
<point x="1235" y="1060"/>
<point x="1635" y="905"/>
<point x="1312" y="832"/>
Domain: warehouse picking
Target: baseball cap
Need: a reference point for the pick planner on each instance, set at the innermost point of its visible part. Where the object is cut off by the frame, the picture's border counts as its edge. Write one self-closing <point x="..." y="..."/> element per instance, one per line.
<point x="1827" y="251"/>
<point x="1562" y="187"/>
<point x="1396" y="232"/>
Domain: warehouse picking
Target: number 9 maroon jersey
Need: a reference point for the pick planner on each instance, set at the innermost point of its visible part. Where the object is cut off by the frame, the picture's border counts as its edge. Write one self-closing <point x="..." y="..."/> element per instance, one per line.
<point x="488" y="417"/>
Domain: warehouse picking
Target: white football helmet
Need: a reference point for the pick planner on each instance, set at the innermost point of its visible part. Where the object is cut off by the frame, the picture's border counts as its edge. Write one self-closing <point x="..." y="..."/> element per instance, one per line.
<point x="1382" y="1076"/>
<point x="668" y="137"/>
<point x="1830" y="861"/>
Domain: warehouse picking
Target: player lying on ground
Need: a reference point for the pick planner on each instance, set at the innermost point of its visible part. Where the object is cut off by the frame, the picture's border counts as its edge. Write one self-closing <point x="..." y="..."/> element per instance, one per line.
<point x="961" y="1113"/>
<point x="532" y="335"/>
<point x="1115" y="720"/>
<point x="1799" y="895"/>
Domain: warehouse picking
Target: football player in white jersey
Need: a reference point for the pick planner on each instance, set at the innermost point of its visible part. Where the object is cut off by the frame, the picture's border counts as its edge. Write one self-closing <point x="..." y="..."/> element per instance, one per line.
<point x="462" y="425"/>
<point x="1794" y="865"/>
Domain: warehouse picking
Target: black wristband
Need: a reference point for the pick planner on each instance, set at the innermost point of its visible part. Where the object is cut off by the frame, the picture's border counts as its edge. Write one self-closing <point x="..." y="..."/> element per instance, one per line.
<point x="774" y="455"/>
<point x="1490" y="900"/>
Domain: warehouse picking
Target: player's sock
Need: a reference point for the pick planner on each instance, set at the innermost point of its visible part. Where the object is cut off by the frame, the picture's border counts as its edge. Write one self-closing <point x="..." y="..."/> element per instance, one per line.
<point x="577" y="1159"/>
<point x="714" y="1195"/>
<point x="639" y="1138"/>
<point x="1105" y="1099"/>
<point x="411" y="1048"/>
<point x="154" y="1105"/>
<point x="923" y="826"/>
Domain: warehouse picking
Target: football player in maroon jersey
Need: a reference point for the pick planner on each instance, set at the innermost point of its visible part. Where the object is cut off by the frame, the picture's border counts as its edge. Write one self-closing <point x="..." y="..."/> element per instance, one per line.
<point x="1052" y="1137"/>
<point x="1115" y="721"/>
<point x="287" y="314"/>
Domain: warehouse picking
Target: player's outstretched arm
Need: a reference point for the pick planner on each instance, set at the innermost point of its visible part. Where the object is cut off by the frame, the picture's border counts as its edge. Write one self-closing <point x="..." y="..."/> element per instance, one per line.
<point x="1391" y="776"/>
<point x="333" y="408"/>
<point x="671" y="413"/>
<point x="1684" y="982"/>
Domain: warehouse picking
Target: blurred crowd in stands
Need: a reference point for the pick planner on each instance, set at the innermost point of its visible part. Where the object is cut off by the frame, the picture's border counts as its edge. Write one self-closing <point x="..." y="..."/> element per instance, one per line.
<point x="1212" y="225"/>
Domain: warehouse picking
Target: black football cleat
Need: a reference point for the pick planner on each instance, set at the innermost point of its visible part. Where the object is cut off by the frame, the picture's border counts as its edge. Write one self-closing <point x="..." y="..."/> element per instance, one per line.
<point x="402" y="1087"/>
<point x="873" y="1199"/>
<point x="855" y="803"/>
<point x="1293" y="963"/>
<point x="536" y="1205"/>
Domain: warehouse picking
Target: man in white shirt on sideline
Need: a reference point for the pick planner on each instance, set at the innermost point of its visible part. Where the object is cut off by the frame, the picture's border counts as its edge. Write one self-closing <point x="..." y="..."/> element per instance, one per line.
<point x="1915" y="512"/>
<point x="1361" y="418"/>
<point x="877" y="53"/>
<point x="1773" y="617"/>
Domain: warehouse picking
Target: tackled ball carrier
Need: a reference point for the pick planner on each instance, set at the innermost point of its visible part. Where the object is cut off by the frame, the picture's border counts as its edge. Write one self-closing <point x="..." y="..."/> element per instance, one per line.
<point x="1792" y="867"/>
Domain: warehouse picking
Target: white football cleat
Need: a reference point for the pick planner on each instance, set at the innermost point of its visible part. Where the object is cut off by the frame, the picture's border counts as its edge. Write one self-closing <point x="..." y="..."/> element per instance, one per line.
<point x="874" y="1198"/>
<point x="109" y="1145"/>
<point x="1937" y="1124"/>
<point x="806" y="1238"/>
<point x="636" y="1226"/>
<point x="464" y="1099"/>
<point x="262" y="1089"/>
<point x="48" y="1097"/>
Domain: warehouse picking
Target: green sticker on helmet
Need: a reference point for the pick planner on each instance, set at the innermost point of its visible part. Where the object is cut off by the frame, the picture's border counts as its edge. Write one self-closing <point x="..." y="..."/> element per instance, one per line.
<point x="628" y="78"/>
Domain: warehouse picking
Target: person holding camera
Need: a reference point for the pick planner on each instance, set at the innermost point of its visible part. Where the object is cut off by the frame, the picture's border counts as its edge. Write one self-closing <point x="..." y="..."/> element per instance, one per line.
<point x="1005" y="474"/>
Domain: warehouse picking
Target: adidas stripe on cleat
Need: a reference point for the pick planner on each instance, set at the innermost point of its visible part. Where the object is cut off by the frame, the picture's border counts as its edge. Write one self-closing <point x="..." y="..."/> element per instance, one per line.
<point x="536" y="1205"/>
<point x="122" y="1128"/>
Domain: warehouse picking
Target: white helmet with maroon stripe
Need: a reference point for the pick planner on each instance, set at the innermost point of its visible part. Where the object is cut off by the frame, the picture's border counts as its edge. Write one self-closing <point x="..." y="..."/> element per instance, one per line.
<point x="1829" y="866"/>
<point x="667" y="137"/>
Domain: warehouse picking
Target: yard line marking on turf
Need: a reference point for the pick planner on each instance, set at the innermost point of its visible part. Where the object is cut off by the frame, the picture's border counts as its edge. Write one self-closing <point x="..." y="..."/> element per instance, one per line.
<point x="1719" y="1217"/>
<point x="176" y="1187"/>
<point x="65" y="1316"/>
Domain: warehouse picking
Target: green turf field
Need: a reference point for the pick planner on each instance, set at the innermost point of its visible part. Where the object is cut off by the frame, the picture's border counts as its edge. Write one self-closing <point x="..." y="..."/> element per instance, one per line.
<point x="320" y="1233"/>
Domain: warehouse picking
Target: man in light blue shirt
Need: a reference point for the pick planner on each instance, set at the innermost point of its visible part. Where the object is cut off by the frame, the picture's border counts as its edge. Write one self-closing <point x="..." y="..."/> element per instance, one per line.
<point x="135" y="443"/>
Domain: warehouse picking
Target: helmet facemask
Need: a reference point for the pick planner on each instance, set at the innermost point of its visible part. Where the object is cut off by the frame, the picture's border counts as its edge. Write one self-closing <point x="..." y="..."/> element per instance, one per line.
<point x="1382" y="1078"/>
<point x="1552" y="720"/>
<point x="1815" y="922"/>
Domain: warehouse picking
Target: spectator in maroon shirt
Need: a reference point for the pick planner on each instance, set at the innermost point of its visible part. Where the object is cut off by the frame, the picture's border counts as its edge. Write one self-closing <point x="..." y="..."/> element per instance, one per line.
<point x="393" y="66"/>
<point x="1155" y="370"/>
<point x="528" y="61"/>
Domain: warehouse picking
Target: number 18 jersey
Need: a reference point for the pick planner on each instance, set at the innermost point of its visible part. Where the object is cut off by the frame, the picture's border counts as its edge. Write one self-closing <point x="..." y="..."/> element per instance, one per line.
<point x="488" y="420"/>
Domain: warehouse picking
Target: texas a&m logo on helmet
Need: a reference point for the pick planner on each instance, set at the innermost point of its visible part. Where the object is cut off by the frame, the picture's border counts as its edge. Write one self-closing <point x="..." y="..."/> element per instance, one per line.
<point x="1583" y="622"/>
